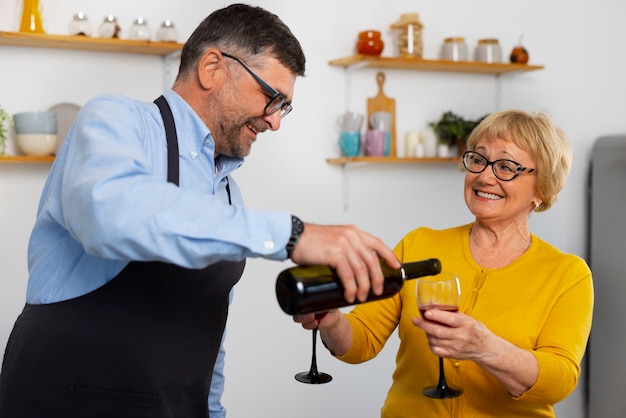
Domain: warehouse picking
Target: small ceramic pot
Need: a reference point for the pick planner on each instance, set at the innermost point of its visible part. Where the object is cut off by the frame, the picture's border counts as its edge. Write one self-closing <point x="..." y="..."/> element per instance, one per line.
<point x="369" y="43"/>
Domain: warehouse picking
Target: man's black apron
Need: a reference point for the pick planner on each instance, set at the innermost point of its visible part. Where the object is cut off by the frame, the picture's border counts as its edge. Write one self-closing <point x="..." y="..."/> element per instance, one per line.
<point x="142" y="345"/>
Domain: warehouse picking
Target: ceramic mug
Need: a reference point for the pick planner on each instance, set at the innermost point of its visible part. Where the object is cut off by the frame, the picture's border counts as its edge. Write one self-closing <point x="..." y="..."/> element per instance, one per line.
<point x="374" y="142"/>
<point x="350" y="143"/>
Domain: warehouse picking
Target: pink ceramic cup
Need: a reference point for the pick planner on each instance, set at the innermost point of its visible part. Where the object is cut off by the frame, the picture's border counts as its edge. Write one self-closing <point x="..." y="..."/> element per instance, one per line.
<point x="374" y="143"/>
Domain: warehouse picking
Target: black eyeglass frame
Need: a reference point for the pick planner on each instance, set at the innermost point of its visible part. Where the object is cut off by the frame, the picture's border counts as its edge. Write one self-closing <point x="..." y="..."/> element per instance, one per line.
<point x="277" y="100"/>
<point x="519" y="168"/>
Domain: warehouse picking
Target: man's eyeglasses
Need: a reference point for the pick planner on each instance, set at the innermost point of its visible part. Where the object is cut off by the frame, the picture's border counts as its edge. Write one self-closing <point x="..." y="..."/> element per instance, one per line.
<point x="277" y="101"/>
<point x="505" y="170"/>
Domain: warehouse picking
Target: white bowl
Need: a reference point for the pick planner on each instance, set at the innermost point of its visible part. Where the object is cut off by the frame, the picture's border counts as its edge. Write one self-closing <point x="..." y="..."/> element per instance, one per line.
<point x="36" y="144"/>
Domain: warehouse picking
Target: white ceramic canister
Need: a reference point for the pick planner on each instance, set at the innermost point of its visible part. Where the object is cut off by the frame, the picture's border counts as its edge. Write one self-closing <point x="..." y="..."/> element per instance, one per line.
<point x="489" y="51"/>
<point x="454" y="49"/>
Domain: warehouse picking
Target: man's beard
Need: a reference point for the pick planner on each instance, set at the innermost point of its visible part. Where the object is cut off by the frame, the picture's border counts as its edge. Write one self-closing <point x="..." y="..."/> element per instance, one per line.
<point x="234" y="145"/>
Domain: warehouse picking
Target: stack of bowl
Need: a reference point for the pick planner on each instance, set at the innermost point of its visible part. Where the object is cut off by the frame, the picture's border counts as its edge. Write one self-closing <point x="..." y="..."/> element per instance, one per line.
<point x="36" y="132"/>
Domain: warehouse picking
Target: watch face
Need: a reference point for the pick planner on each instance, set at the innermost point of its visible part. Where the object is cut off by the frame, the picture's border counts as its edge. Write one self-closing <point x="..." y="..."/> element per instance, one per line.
<point x="297" y="226"/>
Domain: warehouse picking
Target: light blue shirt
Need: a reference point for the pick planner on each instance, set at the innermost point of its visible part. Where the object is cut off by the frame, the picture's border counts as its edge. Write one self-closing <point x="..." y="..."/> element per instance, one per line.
<point x="107" y="202"/>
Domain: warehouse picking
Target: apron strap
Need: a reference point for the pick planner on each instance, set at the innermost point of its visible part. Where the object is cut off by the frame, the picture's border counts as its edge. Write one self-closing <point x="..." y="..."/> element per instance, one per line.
<point x="172" y="140"/>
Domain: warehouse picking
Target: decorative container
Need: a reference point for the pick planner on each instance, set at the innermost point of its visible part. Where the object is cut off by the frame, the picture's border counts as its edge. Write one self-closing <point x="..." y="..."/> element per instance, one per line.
<point x="80" y="25"/>
<point x="409" y="32"/>
<point x="454" y="49"/>
<point x="167" y="32"/>
<point x="109" y="27"/>
<point x="370" y="43"/>
<point x="489" y="51"/>
<point x="139" y="30"/>
<point x="31" y="17"/>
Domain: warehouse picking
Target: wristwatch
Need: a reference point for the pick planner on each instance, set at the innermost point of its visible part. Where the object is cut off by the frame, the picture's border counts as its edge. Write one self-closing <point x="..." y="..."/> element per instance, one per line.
<point x="297" y="228"/>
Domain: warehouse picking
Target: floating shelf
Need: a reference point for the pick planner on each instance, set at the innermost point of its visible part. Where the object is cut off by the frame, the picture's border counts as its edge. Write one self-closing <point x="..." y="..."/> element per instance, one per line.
<point x="14" y="159"/>
<point x="389" y="160"/>
<point x="365" y="61"/>
<point x="87" y="43"/>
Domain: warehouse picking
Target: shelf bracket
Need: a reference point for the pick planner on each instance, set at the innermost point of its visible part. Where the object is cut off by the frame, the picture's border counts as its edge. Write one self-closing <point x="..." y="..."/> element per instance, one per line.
<point x="345" y="187"/>
<point x="345" y="182"/>
<point x="348" y="90"/>
<point x="498" y="98"/>
<point x="170" y="69"/>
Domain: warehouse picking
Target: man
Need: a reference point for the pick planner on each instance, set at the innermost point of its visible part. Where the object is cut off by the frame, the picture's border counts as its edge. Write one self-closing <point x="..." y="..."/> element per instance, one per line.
<point x="141" y="234"/>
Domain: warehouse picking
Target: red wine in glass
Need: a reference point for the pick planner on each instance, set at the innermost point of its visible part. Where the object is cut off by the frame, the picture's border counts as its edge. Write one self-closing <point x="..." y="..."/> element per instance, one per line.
<point x="449" y="308"/>
<point x="442" y="291"/>
<point x="313" y="376"/>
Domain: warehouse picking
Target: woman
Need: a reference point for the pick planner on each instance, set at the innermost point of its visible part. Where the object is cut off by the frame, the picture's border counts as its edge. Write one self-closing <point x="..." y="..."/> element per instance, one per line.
<point x="516" y="344"/>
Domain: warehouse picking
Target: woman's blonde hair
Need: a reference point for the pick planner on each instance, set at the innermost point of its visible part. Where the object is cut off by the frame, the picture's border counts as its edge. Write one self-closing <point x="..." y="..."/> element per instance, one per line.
<point x="536" y="134"/>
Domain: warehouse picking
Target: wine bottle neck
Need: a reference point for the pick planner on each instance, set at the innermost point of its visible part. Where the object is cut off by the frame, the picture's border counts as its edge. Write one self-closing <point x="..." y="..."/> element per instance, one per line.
<point x="429" y="267"/>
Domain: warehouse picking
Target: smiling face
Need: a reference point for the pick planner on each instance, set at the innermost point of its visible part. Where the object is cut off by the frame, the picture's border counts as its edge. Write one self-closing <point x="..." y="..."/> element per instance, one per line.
<point x="231" y="102"/>
<point x="494" y="201"/>
<point x="242" y="112"/>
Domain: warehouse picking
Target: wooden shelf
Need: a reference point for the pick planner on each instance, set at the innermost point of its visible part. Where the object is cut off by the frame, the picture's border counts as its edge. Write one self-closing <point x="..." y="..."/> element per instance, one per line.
<point x="365" y="61"/>
<point x="87" y="43"/>
<point x="14" y="159"/>
<point x="389" y="160"/>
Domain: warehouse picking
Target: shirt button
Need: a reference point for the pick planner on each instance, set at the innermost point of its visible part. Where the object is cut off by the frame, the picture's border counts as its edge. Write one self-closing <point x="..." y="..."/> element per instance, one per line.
<point x="457" y="364"/>
<point x="269" y="245"/>
<point x="466" y="312"/>
<point x="194" y="154"/>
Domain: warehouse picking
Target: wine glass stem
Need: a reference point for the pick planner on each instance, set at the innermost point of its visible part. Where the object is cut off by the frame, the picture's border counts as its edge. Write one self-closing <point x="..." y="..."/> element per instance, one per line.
<point x="442" y="385"/>
<point x="313" y="370"/>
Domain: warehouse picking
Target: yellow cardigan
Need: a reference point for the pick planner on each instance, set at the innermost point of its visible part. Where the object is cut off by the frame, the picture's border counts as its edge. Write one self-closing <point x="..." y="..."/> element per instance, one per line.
<point x="541" y="302"/>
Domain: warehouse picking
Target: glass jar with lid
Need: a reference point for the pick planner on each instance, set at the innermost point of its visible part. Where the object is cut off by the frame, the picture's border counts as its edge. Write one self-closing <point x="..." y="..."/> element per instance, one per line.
<point x="139" y="30"/>
<point x="409" y="32"/>
<point x="167" y="32"/>
<point x="489" y="51"/>
<point x="454" y="49"/>
<point x="109" y="27"/>
<point x="80" y="25"/>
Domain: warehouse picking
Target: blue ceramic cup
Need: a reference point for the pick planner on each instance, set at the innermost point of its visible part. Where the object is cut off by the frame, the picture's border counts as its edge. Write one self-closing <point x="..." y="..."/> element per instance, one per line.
<point x="350" y="143"/>
<point x="387" y="143"/>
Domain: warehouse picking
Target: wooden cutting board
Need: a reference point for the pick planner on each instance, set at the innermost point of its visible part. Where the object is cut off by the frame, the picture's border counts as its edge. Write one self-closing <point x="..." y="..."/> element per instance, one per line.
<point x="382" y="103"/>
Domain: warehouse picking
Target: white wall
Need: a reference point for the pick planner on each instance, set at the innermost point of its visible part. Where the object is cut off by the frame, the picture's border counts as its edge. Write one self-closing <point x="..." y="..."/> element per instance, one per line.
<point x="582" y="87"/>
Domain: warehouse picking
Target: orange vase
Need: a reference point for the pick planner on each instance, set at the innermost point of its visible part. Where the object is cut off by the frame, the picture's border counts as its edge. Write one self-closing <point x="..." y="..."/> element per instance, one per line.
<point x="31" y="17"/>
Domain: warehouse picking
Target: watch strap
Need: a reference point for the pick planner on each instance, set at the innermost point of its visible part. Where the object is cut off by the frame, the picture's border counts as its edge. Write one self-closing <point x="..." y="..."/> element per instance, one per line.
<point x="297" y="228"/>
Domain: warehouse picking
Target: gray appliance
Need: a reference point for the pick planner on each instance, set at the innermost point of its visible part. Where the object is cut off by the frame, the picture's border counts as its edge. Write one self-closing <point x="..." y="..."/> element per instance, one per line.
<point x="606" y="355"/>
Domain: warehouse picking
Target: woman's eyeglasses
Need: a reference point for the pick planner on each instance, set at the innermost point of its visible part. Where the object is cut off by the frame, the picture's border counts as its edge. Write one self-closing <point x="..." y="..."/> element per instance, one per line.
<point x="505" y="170"/>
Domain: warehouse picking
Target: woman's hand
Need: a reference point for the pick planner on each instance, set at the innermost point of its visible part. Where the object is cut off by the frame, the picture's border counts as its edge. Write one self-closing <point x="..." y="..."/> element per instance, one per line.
<point x="459" y="336"/>
<point x="334" y="328"/>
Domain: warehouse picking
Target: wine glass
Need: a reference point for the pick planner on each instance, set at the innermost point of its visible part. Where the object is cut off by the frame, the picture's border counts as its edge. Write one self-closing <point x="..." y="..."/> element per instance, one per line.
<point x="313" y="376"/>
<point x="442" y="291"/>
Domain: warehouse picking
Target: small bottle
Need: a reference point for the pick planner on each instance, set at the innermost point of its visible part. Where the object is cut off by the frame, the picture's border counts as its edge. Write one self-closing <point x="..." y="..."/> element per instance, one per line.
<point x="167" y="32"/>
<point x="139" y="30"/>
<point x="80" y="25"/>
<point x="308" y="289"/>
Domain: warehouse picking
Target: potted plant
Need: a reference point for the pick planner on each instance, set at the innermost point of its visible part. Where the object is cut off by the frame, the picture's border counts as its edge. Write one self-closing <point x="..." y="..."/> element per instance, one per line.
<point x="4" y="117"/>
<point x="453" y="130"/>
